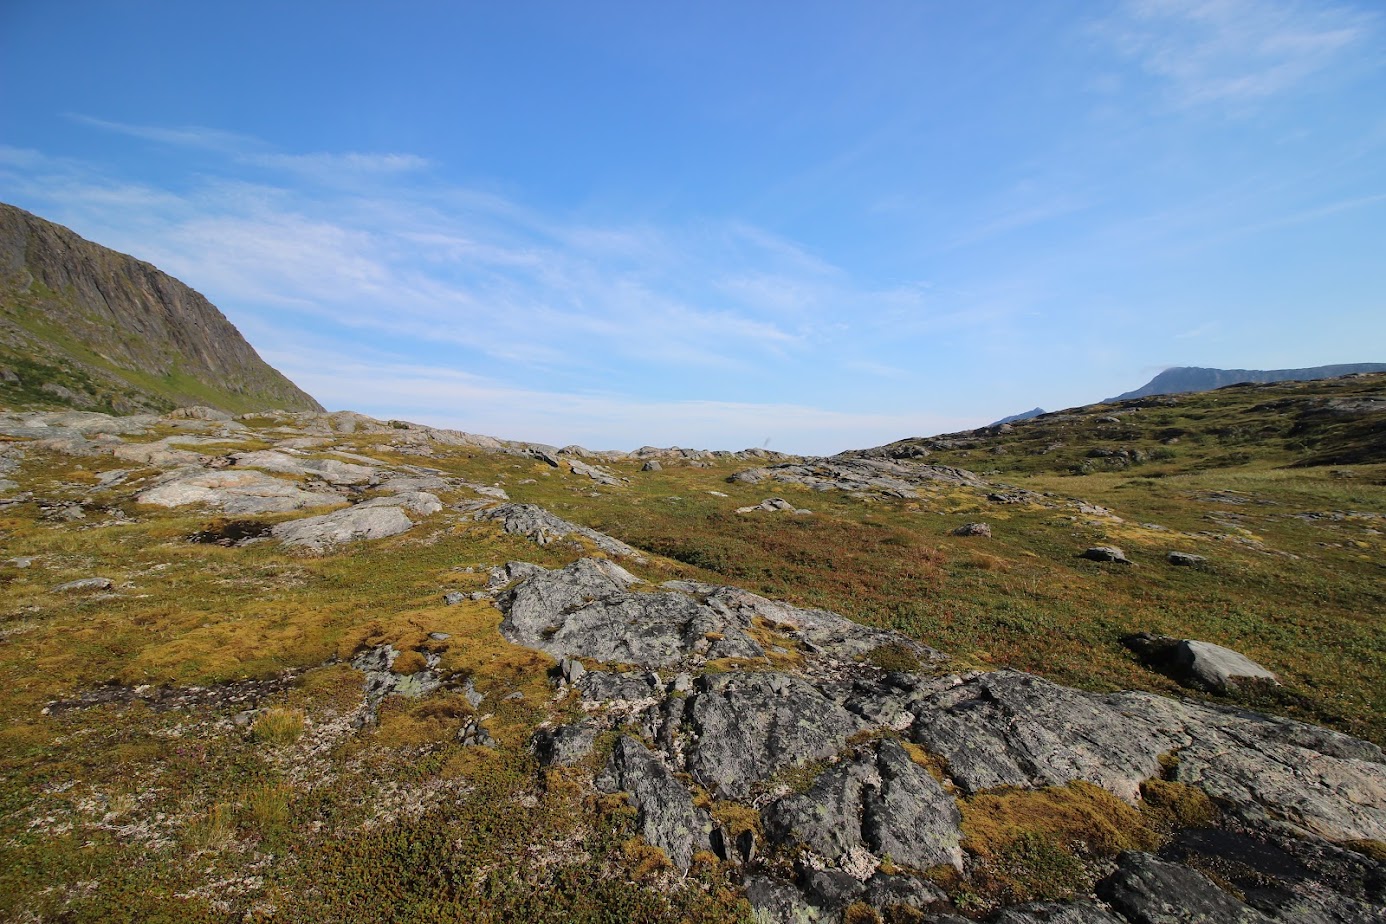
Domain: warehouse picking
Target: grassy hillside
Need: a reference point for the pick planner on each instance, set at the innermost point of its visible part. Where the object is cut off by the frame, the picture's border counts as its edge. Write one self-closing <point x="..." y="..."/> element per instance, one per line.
<point x="181" y="814"/>
<point x="83" y="326"/>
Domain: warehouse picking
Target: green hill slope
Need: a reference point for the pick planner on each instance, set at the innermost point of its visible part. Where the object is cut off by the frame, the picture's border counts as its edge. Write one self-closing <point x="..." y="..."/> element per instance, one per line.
<point x="84" y="326"/>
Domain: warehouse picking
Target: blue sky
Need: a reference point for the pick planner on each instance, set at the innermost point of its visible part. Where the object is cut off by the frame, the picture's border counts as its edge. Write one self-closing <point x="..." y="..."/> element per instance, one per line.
<point x="815" y="226"/>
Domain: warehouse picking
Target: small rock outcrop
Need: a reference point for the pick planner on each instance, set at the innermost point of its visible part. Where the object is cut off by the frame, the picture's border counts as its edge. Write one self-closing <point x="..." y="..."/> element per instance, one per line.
<point x="589" y="609"/>
<point x="237" y="492"/>
<point x="332" y="471"/>
<point x="84" y="584"/>
<point x="353" y="524"/>
<point x="536" y="523"/>
<point x="1106" y="553"/>
<point x="1145" y="890"/>
<point x="886" y="477"/>
<point x="750" y="726"/>
<point x="774" y="505"/>
<point x="597" y="473"/>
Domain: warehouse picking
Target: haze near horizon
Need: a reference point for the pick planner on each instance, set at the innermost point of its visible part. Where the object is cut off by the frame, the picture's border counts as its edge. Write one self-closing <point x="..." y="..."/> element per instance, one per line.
<point x="806" y="227"/>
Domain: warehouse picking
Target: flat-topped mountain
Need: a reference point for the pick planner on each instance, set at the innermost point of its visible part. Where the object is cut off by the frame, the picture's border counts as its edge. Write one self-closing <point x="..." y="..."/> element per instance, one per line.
<point x="84" y="326"/>
<point x="1183" y="379"/>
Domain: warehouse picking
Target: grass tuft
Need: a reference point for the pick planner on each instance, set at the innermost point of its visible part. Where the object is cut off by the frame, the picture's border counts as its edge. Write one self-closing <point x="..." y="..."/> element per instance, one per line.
<point x="278" y="726"/>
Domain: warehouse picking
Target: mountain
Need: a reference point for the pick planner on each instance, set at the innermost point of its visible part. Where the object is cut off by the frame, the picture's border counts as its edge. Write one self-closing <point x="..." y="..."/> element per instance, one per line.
<point x="1184" y="379"/>
<point x="84" y="326"/>
<point x="1023" y="415"/>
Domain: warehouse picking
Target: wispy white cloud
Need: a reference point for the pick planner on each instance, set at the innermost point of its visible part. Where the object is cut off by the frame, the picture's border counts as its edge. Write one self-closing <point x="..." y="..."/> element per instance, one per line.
<point x="322" y="164"/>
<point x="465" y="401"/>
<point x="1199" y="332"/>
<point x="1019" y="215"/>
<point x="1234" y="51"/>
<point x="194" y="136"/>
<point x="252" y="151"/>
<point x="543" y="305"/>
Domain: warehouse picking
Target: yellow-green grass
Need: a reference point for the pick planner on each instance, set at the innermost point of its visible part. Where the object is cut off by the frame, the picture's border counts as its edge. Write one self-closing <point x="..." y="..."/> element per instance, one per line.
<point x="400" y="821"/>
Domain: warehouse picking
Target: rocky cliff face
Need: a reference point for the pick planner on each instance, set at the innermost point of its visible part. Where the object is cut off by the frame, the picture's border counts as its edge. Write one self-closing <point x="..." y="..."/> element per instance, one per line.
<point x="84" y="326"/>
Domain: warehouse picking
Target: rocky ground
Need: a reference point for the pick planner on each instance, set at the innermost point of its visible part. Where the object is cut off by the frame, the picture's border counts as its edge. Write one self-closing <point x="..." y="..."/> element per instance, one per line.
<point x="311" y="667"/>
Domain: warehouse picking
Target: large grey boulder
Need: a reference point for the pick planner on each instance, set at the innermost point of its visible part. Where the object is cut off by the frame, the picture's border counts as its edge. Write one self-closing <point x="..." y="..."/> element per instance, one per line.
<point x="84" y="584"/>
<point x="353" y="524"/>
<point x="1107" y="553"/>
<point x="538" y="524"/>
<point x="1197" y="664"/>
<point x="666" y="816"/>
<point x="236" y="492"/>
<point x="774" y="505"/>
<point x="1217" y="668"/>
<point x="749" y="726"/>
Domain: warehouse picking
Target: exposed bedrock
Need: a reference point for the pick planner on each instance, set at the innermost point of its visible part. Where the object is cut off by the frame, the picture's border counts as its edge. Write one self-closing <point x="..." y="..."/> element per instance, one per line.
<point x="829" y="750"/>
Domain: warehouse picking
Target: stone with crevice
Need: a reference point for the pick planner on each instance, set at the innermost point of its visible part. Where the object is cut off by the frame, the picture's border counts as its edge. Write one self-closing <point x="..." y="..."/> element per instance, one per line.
<point x="750" y="726"/>
<point x="881" y="803"/>
<point x="666" y="816"/>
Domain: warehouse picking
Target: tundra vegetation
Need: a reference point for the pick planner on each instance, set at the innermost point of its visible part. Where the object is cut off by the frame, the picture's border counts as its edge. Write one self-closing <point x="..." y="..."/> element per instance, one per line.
<point x="240" y="729"/>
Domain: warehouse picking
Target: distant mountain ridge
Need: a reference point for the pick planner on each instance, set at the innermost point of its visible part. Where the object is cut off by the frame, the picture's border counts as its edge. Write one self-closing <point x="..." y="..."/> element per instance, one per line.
<point x="1184" y="379"/>
<point x="84" y="326"/>
<point x="1023" y="415"/>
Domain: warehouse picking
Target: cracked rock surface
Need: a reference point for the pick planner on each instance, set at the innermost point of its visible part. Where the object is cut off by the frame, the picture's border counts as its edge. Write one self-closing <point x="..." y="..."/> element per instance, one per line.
<point x="818" y="742"/>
